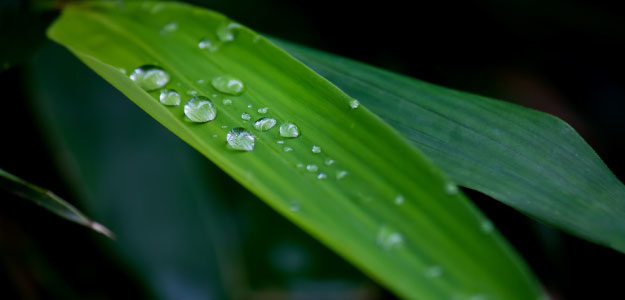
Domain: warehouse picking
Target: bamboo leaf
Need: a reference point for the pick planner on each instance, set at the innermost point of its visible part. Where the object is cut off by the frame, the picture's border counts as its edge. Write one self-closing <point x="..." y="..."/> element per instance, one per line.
<point x="49" y="201"/>
<point x="527" y="159"/>
<point x="367" y="194"/>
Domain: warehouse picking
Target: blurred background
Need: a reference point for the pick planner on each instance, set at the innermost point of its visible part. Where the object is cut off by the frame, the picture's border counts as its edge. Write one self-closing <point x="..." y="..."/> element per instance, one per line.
<point x="185" y="230"/>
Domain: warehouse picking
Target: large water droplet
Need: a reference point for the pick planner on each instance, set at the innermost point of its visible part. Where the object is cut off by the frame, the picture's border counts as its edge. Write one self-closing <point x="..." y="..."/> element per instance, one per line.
<point x="240" y="139"/>
<point x="399" y="199"/>
<point x="169" y="97"/>
<point x="246" y="116"/>
<point x="264" y="124"/>
<point x="207" y="44"/>
<point x="226" y="33"/>
<point x="389" y="239"/>
<point x="312" y="168"/>
<point x="228" y="84"/>
<point x="354" y="103"/>
<point x="289" y="130"/>
<point x="150" y="77"/>
<point x="434" y="271"/>
<point x="316" y="149"/>
<point x="200" y="109"/>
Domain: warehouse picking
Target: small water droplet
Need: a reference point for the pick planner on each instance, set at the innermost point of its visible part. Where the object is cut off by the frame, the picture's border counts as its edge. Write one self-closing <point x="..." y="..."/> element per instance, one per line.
<point x="245" y="116"/>
<point x="226" y="33"/>
<point x="249" y="106"/>
<point x="399" y="199"/>
<point x="263" y="110"/>
<point x="264" y="124"/>
<point x="487" y="226"/>
<point x="207" y="44"/>
<point x="329" y="161"/>
<point x="289" y="130"/>
<point x="287" y="149"/>
<point x="294" y="206"/>
<point x="389" y="239"/>
<point x="215" y="136"/>
<point x="322" y="175"/>
<point x="121" y="70"/>
<point x="280" y="142"/>
<point x="169" y="97"/>
<point x="312" y="168"/>
<point x="170" y="27"/>
<point x="451" y="188"/>
<point x="256" y="39"/>
<point x="200" y="109"/>
<point x="316" y="149"/>
<point x="191" y="92"/>
<point x="239" y="139"/>
<point x="226" y="101"/>
<point x="150" y="77"/>
<point x="201" y="81"/>
<point x="299" y="166"/>
<point x="340" y="174"/>
<point x="434" y="272"/>
<point x="228" y="84"/>
<point x="224" y="126"/>
<point x="354" y="103"/>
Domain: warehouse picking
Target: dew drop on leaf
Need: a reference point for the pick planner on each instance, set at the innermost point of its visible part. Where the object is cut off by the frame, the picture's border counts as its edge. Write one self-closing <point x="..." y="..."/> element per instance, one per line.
<point x="451" y="188"/>
<point x="329" y="161"/>
<point x="389" y="239"/>
<point x="341" y="174"/>
<point x="312" y="168"/>
<point x="228" y="84"/>
<point x="150" y="77"/>
<point x="170" y="27"/>
<point x="226" y="33"/>
<point x="263" y="110"/>
<point x="354" y="103"/>
<point x="169" y="97"/>
<point x="264" y="124"/>
<point x="226" y="101"/>
<point x="399" y="199"/>
<point x="322" y="175"/>
<point x="240" y="139"/>
<point x="316" y="149"/>
<point x="207" y="44"/>
<point x="434" y="271"/>
<point x="200" y="109"/>
<point x="245" y="116"/>
<point x="287" y="149"/>
<point x="289" y="130"/>
<point x="486" y="226"/>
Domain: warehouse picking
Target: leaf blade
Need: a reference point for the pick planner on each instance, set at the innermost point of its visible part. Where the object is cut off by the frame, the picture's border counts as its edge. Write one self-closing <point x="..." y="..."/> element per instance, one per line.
<point x="340" y="214"/>
<point x="527" y="159"/>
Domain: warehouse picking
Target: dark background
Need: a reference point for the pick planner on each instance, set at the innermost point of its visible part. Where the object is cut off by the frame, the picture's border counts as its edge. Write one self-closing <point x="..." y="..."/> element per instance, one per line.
<point x="561" y="57"/>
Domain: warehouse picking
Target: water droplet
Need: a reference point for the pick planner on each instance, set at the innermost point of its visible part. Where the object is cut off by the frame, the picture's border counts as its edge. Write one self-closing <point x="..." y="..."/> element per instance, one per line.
<point x="207" y="44"/>
<point x="487" y="226"/>
<point x="316" y="149"/>
<point x="245" y="116"/>
<point x="240" y="139"/>
<point x="322" y="175"/>
<point x="264" y="124"/>
<point x="121" y="70"/>
<point x="263" y="110"/>
<point x="294" y="206"/>
<point x="288" y="149"/>
<point x="389" y="239"/>
<point x="249" y="106"/>
<point x="329" y="161"/>
<point x="150" y="77"/>
<point x="200" y="109"/>
<point x="399" y="199"/>
<point x="451" y="188"/>
<point x="354" y="103"/>
<point x="191" y="92"/>
<point x="215" y="136"/>
<point x="312" y="168"/>
<point x="299" y="166"/>
<point x="170" y="27"/>
<point x="228" y="84"/>
<point x="169" y="97"/>
<point x="226" y="33"/>
<point x="224" y="126"/>
<point x="256" y="39"/>
<point x="201" y="81"/>
<point x="289" y="130"/>
<point x="434" y="272"/>
<point x="226" y="101"/>
<point x="340" y="174"/>
<point x="280" y="142"/>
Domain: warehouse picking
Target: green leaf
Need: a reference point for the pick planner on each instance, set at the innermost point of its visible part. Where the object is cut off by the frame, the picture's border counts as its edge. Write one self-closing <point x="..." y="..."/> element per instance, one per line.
<point x="433" y="245"/>
<point x="49" y="201"/>
<point x="527" y="159"/>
